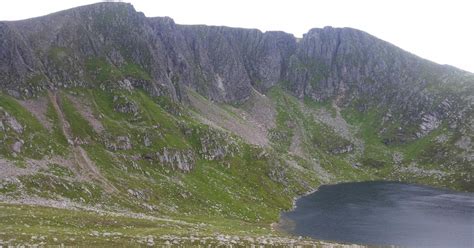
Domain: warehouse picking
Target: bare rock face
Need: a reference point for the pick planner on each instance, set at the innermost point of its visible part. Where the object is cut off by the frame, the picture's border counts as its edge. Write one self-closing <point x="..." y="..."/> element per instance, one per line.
<point x="147" y="141"/>
<point x="183" y="160"/>
<point x="125" y="84"/>
<point x="216" y="146"/>
<point x="429" y="123"/>
<point x="213" y="144"/>
<point x="124" y="105"/>
<point x="138" y="194"/>
<point x="342" y="149"/>
<point x="110" y="45"/>
<point x="356" y="69"/>
<point x="10" y="122"/>
<point x="464" y="143"/>
<point x="16" y="147"/>
<point x="220" y="63"/>
<point x="119" y="143"/>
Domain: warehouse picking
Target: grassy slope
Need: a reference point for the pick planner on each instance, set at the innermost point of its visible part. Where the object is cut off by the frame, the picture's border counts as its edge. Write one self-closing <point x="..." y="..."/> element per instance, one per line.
<point x="238" y="188"/>
<point x="31" y="225"/>
<point x="318" y="140"/>
<point x="37" y="141"/>
<point x="424" y="154"/>
<point x="425" y="160"/>
<point x="238" y="194"/>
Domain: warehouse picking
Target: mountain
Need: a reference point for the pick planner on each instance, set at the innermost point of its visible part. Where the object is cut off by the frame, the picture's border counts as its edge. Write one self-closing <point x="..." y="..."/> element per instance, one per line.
<point x="215" y="128"/>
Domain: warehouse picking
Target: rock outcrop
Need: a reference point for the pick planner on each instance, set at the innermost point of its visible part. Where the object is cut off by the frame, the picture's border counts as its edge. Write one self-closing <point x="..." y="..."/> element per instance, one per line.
<point x="183" y="160"/>
<point x="9" y="122"/>
<point x="112" y="45"/>
<point x="118" y="143"/>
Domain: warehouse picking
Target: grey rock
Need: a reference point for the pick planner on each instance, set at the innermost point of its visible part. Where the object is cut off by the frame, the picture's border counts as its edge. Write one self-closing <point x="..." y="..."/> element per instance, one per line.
<point x="124" y="143"/>
<point x="464" y="143"/>
<point x="429" y="123"/>
<point x="125" y="84"/>
<point x="147" y="141"/>
<point x="344" y="66"/>
<point x="118" y="143"/>
<point x="216" y="145"/>
<point x="183" y="160"/>
<point x="139" y="194"/>
<point x="354" y="68"/>
<point x="16" y="147"/>
<point x="13" y="123"/>
<point x="124" y="105"/>
<point x="342" y="149"/>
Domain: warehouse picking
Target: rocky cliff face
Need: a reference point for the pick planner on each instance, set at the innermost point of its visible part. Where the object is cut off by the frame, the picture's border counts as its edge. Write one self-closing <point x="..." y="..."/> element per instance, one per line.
<point x="111" y="41"/>
<point x="112" y="46"/>
<point x="355" y="68"/>
<point x="103" y="44"/>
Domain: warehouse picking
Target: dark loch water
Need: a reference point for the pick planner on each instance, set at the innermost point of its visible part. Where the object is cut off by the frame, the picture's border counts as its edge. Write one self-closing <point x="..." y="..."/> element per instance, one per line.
<point x="385" y="213"/>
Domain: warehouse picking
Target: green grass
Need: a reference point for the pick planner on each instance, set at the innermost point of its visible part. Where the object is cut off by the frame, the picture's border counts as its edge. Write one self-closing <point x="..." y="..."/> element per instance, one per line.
<point x="240" y="193"/>
<point x="287" y="108"/>
<point x="213" y="188"/>
<point x="150" y="114"/>
<point x="318" y="141"/>
<point x="51" y="186"/>
<point x="22" y="224"/>
<point x="37" y="140"/>
<point x="327" y="105"/>
<point x="425" y="153"/>
<point x="417" y="148"/>
<point x="80" y="127"/>
<point x="236" y="188"/>
<point x="135" y="71"/>
<point x="59" y="170"/>
<point x="56" y="132"/>
<point x="8" y="188"/>
<point x="376" y="153"/>
<point x="100" y="70"/>
<point x="291" y="117"/>
<point x="11" y="106"/>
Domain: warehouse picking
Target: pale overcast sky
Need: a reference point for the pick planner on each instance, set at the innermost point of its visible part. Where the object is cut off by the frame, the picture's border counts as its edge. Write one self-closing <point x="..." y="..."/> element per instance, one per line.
<point x="442" y="31"/>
